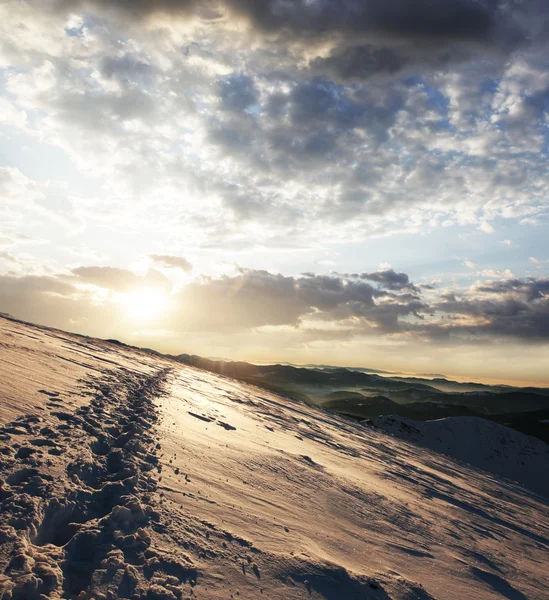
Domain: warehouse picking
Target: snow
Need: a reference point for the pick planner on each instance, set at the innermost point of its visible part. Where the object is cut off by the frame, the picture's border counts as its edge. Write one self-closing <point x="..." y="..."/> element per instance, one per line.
<point x="478" y="442"/>
<point x="128" y="475"/>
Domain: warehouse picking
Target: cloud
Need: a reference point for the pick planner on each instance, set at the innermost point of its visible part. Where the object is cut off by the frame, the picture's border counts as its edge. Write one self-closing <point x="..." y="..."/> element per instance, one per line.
<point x="389" y="279"/>
<point x="454" y="20"/>
<point x="177" y="262"/>
<point x="43" y="299"/>
<point x="288" y="134"/>
<point x="255" y="299"/>
<point x="537" y="262"/>
<point x="493" y="274"/>
<point x="512" y="308"/>
<point x="361" y="63"/>
<point x="529" y="289"/>
<point x="486" y="227"/>
<point x="237" y="92"/>
<point x="122" y="280"/>
<point x="313" y="306"/>
<point x="9" y="258"/>
<point x="28" y="205"/>
<point x="353" y="39"/>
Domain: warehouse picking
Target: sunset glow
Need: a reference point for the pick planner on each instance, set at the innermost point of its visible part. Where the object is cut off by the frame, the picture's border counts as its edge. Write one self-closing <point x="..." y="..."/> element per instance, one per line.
<point x="282" y="181"/>
<point x="145" y="304"/>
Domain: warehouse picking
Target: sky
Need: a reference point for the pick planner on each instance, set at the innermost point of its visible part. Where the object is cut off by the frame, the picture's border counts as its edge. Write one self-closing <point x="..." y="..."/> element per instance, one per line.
<point x="358" y="183"/>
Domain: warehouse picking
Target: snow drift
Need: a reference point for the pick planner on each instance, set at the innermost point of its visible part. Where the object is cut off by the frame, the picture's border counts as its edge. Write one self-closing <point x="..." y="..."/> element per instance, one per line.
<point x="478" y="442"/>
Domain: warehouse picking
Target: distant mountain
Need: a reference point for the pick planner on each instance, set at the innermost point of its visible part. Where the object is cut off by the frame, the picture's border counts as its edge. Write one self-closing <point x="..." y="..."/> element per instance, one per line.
<point x="362" y="408"/>
<point x="363" y="395"/>
<point x="344" y="395"/>
<point x="480" y="443"/>
<point x="494" y="403"/>
<point x="534" y="422"/>
<point x="447" y="385"/>
<point x="317" y="381"/>
<point x="366" y="407"/>
<point x="331" y="367"/>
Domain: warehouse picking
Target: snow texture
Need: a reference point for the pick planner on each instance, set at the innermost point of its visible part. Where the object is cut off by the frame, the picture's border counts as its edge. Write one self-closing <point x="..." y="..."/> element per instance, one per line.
<point x="129" y="475"/>
<point x="480" y="443"/>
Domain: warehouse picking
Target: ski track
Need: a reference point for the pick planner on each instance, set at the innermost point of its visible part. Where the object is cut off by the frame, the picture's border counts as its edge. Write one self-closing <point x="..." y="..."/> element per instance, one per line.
<point x="127" y="475"/>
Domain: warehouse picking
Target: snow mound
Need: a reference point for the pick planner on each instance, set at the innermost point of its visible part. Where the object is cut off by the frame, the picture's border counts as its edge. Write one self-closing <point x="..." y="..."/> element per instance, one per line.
<point x="480" y="443"/>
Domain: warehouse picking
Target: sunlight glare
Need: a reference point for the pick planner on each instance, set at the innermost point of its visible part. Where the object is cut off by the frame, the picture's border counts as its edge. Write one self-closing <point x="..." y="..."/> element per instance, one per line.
<point x="144" y="304"/>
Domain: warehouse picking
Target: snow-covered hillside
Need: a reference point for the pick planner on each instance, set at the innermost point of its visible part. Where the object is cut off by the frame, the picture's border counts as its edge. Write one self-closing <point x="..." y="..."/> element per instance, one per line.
<point x="478" y="442"/>
<point x="128" y="475"/>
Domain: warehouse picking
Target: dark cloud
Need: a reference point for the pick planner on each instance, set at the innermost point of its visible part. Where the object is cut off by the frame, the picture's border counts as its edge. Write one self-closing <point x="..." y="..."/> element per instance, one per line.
<point x="249" y="300"/>
<point x="350" y="23"/>
<point x="326" y="293"/>
<point x="361" y="62"/>
<point x="368" y="37"/>
<point x="238" y="93"/>
<point x="506" y="308"/>
<point x="314" y="123"/>
<point x="389" y="279"/>
<point x="177" y="262"/>
<point x="453" y="19"/>
<point x="530" y="289"/>
<point x="320" y="99"/>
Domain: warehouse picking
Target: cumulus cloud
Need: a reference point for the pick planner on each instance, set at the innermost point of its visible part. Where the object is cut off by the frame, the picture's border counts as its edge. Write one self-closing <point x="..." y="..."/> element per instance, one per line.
<point x="389" y="279"/>
<point x="515" y="308"/>
<point x="258" y="298"/>
<point x="315" y="306"/>
<point x="528" y="289"/>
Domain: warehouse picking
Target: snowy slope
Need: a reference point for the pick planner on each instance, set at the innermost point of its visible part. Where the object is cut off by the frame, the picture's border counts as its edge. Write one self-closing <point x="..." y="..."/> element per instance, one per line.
<point x="127" y="475"/>
<point x="478" y="442"/>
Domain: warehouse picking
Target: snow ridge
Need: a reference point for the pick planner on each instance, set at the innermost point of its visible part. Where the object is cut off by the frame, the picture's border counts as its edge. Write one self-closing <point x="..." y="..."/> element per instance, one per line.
<point x="481" y="443"/>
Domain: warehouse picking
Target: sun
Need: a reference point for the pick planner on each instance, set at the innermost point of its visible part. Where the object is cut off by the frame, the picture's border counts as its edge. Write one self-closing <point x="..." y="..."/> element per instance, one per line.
<point x="144" y="304"/>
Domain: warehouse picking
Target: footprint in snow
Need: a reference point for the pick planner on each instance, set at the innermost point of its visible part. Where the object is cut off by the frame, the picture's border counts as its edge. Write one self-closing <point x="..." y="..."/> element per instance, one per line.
<point x="226" y="426"/>
<point x="201" y="417"/>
